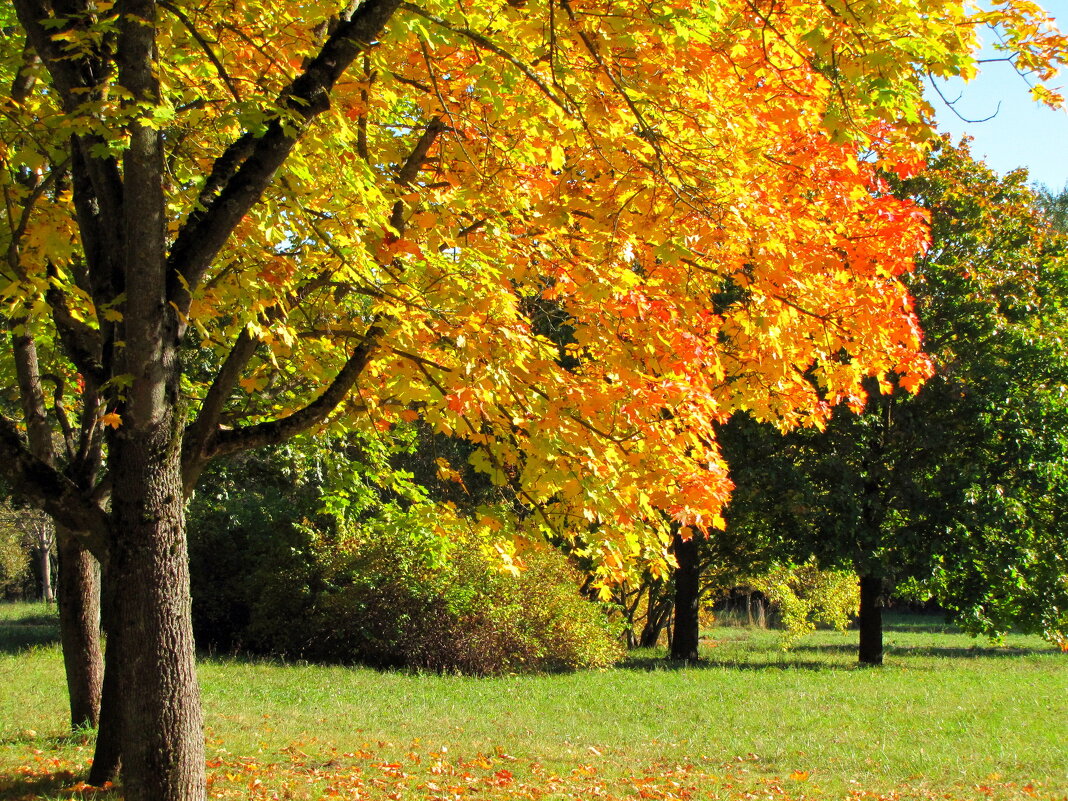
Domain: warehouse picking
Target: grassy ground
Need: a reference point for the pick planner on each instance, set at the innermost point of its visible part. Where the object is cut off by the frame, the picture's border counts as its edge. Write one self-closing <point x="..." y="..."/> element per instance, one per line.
<point x="948" y="717"/>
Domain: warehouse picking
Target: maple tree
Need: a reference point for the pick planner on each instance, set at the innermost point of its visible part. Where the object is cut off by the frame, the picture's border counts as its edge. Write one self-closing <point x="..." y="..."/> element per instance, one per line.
<point x="228" y="222"/>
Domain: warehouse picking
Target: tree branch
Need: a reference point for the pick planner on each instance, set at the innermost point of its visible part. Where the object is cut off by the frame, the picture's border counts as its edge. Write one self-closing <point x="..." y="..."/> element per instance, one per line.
<point x="78" y="79"/>
<point x="60" y="411"/>
<point x="52" y="492"/>
<point x="204" y="45"/>
<point x="80" y="342"/>
<point x="275" y="431"/>
<point x="206" y="229"/>
<point x="487" y="44"/>
<point x="410" y="169"/>
<point x="198" y="434"/>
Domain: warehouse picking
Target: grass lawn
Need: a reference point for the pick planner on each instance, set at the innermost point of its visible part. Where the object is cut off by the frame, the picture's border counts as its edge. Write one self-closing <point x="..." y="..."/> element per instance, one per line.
<point x="948" y="717"/>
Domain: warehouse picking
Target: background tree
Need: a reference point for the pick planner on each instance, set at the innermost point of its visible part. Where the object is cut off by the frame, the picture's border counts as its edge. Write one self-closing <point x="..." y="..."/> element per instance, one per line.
<point x="35" y="535"/>
<point x="453" y="162"/>
<point x="958" y="486"/>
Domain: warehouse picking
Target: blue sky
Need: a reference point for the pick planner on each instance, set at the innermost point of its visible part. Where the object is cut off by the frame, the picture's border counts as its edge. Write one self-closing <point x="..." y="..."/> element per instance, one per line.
<point x="1021" y="133"/>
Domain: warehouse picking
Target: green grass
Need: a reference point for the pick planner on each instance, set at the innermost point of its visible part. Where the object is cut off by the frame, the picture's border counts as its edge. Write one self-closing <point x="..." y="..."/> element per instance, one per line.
<point x="947" y="715"/>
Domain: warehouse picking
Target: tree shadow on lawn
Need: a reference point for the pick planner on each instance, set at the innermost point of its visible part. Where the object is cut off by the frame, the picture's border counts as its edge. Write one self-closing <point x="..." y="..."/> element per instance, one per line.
<point x="27" y="632"/>
<point x="42" y="777"/>
<point x="652" y="664"/>
<point x="909" y="627"/>
<point x="16" y="786"/>
<point x="948" y="652"/>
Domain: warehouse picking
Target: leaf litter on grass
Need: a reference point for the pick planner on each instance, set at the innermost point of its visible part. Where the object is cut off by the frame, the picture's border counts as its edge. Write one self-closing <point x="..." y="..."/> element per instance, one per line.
<point x="374" y="772"/>
<point x="434" y="774"/>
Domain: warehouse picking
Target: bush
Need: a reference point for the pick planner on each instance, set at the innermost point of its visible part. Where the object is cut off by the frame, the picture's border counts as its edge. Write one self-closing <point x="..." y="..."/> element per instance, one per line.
<point x="805" y="595"/>
<point x="393" y="592"/>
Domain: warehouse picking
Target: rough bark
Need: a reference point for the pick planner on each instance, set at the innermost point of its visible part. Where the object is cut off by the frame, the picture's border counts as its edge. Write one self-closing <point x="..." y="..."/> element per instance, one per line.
<point x="162" y="732"/>
<point x="79" y="628"/>
<point x="687" y="632"/>
<point x="77" y="587"/>
<point x="150" y="672"/>
<point x="870" y="622"/>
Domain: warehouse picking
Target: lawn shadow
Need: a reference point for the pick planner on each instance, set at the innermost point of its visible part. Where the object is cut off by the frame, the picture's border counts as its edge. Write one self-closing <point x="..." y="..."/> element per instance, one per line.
<point x="28" y="632"/>
<point x="949" y="652"/>
<point x="906" y="625"/>
<point x="15" y="785"/>
<point x="652" y="664"/>
<point x="35" y="780"/>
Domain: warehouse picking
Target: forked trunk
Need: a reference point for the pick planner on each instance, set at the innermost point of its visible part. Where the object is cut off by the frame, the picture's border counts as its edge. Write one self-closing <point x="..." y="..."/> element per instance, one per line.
<point x="79" y="628"/>
<point x="657" y="616"/>
<point x="870" y="622"/>
<point x="684" y="641"/>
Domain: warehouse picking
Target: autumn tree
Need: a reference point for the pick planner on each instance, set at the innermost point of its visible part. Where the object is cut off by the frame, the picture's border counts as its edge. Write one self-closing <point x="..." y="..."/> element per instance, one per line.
<point x="228" y="223"/>
<point x="960" y="486"/>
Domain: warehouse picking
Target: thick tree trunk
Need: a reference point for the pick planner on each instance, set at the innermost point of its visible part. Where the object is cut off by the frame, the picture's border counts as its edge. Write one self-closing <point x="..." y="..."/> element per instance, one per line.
<point x="162" y="732"/>
<point x="162" y="729"/>
<point x="687" y="592"/>
<point x="79" y="628"/>
<point x="870" y="622"/>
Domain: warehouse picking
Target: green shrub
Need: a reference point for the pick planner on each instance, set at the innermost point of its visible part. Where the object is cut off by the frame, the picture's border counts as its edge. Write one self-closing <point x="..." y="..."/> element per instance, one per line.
<point x="392" y="592"/>
<point x="806" y="595"/>
<point x="14" y="561"/>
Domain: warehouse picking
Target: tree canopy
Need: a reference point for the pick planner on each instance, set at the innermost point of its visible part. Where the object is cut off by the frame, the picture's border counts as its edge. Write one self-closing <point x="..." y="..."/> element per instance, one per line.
<point x="226" y="223"/>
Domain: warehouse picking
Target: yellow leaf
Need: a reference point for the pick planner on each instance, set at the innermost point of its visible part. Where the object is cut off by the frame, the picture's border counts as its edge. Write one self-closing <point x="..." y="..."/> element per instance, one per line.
<point x="556" y="157"/>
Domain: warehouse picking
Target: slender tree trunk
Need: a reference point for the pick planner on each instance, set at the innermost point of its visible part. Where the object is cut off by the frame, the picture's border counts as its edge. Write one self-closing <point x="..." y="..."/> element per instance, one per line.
<point x="871" y="620"/>
<point x="107" y="758"/>
<point x="657" y="616"/>
<point x="42" y="561"/>
<point x="79" y="627"/>
<point x="78" y="586"/>
<point x="687" y="589"/>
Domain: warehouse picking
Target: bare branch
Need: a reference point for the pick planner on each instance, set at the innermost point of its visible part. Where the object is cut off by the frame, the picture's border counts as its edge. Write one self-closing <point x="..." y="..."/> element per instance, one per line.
<point x="952" y="104"/>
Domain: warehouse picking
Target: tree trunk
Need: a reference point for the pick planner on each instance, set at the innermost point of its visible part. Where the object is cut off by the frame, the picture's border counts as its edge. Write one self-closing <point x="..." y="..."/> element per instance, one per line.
<point x="79" y="628"/>
<point x="107" y="758"/>
<point x="871" y="621"/>
<point x="42" y="569"/>
<point x="657" y="616"/>
<point x="162" y="732"/>
<point x="687" y="589"/>
<point x="162" y="729"/>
